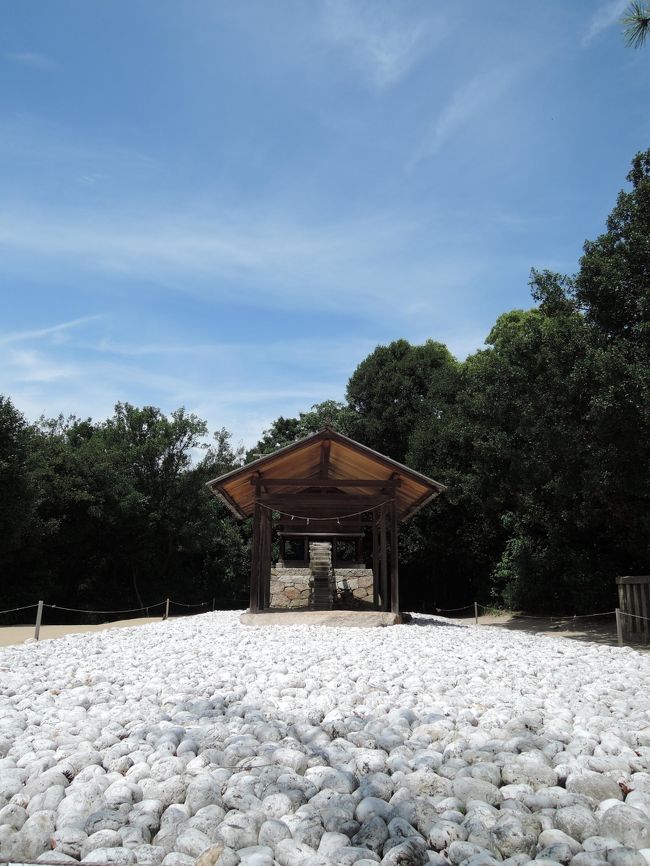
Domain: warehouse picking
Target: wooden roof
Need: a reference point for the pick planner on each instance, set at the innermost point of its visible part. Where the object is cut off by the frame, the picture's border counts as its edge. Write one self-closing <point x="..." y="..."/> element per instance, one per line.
<point x="325" y="473"/>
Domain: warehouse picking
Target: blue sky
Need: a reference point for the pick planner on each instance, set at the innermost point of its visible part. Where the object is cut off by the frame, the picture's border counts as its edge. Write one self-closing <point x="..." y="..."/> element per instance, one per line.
<point x="226" y="206"/>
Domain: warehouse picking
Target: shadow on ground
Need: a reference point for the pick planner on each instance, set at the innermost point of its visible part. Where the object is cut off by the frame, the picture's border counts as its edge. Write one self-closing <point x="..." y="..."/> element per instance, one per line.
<point x="599" y="630"/>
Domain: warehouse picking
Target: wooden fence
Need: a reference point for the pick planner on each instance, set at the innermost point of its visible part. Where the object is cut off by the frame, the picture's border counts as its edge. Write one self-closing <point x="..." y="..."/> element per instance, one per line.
<point x="634" y="603"/>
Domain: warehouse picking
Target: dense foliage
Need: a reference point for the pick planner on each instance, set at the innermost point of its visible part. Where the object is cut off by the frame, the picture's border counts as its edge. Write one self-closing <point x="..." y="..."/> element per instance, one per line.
<point x="541" y="437"/>
<point x="115" y="514"/>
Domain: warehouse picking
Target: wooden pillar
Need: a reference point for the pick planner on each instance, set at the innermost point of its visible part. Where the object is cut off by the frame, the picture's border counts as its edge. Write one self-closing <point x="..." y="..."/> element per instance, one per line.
<point x="255" y="559"/>
<point x="359" y="550"/>
<point x="394" y="561"/>
<point x="375" y="563"/>
<point x="283" y="550"/>
<point x="383" y="559"/>
<point x="265" y="558"/>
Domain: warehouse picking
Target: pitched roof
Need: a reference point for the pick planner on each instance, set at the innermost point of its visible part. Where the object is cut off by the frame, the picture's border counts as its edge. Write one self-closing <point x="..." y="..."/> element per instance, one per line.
<point x="346" y="460"/>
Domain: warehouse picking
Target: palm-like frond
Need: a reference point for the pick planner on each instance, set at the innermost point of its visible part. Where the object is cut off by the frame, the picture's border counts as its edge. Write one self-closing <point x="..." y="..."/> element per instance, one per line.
<point x="636" y="24"/>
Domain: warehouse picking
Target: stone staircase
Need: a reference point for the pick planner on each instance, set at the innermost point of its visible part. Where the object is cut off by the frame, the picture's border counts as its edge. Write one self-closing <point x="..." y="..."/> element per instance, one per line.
<point x="320" y="565"/>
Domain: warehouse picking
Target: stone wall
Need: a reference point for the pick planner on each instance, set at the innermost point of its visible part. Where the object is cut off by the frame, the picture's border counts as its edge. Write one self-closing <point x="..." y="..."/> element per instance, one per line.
<point x="353" y="585"/>
<point x="291" y="587"/>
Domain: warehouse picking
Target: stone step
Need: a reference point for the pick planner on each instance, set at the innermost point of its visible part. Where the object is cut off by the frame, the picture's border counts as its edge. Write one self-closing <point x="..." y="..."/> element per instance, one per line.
<point x="320" y="565"/>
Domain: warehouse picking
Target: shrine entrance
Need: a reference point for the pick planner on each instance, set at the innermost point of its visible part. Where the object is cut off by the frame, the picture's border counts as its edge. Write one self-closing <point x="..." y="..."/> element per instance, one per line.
<point x="325" y="495"/>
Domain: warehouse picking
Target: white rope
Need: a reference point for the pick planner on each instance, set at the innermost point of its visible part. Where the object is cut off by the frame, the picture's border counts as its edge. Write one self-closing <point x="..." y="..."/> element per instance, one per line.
<point x="569" y="616"/>
<point x="450" y="609"/>
<point x="635" y="616"/>
<point x="120" y="610"/>
<point x="541" y="616"/>
<point x="333" y="517"/>
<point x="13" y="609"/>
<point x="82" y="610"/>
<point x="182" y="604"/>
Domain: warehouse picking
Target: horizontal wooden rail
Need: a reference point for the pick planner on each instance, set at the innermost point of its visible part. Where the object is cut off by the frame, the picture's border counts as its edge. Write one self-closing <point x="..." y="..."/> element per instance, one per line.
<point x="261" y="481"/>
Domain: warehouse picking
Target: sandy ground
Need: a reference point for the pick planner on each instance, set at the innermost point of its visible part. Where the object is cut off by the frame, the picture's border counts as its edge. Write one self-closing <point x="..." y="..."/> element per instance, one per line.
<point x="600" y="630"/>
<point x="15" y="634"/>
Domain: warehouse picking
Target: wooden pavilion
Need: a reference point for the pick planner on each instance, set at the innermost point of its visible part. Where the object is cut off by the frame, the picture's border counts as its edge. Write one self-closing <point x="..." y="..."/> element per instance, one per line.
<point x="326" y="486"/>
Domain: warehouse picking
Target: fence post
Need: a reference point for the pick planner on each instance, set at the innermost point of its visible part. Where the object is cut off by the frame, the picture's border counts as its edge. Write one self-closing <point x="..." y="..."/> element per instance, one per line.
<point x="39" y="617"/>
<point x="166" y="616"/>
<point x="619" y="626"/>
<point x="476" y="613"/>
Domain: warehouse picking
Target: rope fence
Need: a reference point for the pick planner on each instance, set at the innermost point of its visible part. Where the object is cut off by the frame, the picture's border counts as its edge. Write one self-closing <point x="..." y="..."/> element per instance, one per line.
<point x="14" y="609"/>
<point x="450" y="609"/>
<point x="167" y="602"/>
<point x="41" y="606"/>
<point x="635" y="615"/>
<point x="616" y="612"/>
<point x="123" y="610"/>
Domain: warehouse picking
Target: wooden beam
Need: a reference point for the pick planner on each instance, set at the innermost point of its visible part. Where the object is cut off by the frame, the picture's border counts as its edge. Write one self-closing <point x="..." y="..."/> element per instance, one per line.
<point x="325" y="446"/>
<point x="394" y="561"/>
<point x="419" y="504"/>
<point x="260" y="483"/>
<point x="320" y="529"/>
<point x="373" y="483"/>
<point x="331" y="502"/>
<point x="230" y="503"/>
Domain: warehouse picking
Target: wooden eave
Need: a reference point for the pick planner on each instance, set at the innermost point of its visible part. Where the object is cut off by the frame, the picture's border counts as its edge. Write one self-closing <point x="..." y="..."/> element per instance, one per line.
<point x="320" y="460"/>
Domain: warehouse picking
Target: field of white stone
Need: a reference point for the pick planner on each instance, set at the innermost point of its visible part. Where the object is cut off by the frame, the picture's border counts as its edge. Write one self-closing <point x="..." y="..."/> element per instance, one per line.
<point x="428" y="742"/>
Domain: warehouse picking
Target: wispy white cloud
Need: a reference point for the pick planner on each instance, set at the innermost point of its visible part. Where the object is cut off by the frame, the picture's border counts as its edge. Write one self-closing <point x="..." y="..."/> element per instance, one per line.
<point x="469" y="102"/>
<point x="240" y="385"/>
<point x="327" y="351"/>
<point x="244" y="392"/>
<point x="355" y="266"/>
<point x="33" y="59"/>
<point x="383" y="45"/>
<point x="51" y="330"/>
<point x="605" y="16"/>
<point x="46" y="149"/>
<point x="29" y="365"/>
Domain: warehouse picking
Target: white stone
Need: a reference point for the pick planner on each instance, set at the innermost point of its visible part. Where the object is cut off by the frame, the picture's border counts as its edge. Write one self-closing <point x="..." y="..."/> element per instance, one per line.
<point x="594" y="785"/>
<point x="119" y="856"/>
<point x="627" y="824"/>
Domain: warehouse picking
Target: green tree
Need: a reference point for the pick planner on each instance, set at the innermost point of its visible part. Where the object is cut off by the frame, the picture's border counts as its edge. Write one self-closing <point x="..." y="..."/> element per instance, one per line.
<point x="17" y="499"/>
<point x="636" y="24"/>
<point x="284" y="431"/>
<point x="124" y="516"/>
<point x="394" y="388"/>
<point x="613" y="283"/>
<point x="15" y="488"/>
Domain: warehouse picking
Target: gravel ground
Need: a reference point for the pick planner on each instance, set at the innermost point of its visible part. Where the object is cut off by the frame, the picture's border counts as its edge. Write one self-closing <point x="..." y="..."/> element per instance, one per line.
<point x="431" y="742"/>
